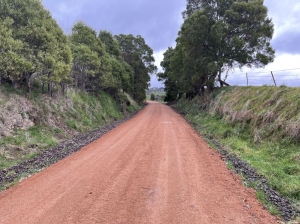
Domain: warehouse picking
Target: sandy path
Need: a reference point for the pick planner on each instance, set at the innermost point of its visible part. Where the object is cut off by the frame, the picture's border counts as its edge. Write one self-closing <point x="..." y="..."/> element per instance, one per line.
<point x="151" y="169"/>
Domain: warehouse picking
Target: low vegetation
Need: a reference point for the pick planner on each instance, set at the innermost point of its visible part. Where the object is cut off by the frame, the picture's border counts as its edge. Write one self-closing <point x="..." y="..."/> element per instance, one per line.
<point x="52" y="119"/>
<point x="261" y="125"/>
<point x="156" y="94"/>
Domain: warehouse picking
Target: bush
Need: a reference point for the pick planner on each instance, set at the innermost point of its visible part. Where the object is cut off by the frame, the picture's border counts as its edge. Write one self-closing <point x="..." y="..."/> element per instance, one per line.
<point x="152" y="96"/>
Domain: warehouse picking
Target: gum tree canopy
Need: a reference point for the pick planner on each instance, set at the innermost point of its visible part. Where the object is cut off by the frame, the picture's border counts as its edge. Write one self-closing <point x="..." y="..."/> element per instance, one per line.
<point x="39" y="44"/>
<point x="139" y="56"/>
<point x="218" y="35"/>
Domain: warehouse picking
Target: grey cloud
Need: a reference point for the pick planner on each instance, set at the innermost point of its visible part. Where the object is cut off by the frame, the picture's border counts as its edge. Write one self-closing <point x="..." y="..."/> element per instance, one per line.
<point x="157" y="21"/>
<point x="288" y="42"/>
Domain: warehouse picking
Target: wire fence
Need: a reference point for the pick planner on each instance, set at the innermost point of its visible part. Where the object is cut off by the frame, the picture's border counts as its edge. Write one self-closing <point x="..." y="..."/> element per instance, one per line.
<point x="287" y="77"/>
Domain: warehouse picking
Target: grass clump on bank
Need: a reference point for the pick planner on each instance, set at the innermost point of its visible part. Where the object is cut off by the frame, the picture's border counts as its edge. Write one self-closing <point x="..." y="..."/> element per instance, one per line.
<point x="261" y="125"/>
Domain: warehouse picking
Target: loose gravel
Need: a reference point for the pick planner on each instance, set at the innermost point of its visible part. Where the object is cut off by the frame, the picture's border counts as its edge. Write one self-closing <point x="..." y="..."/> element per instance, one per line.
<point x="54" y="154"/>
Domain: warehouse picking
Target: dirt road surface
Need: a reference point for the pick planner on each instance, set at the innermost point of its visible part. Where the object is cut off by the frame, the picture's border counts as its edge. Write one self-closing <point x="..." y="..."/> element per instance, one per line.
<point x="151" y="169"/>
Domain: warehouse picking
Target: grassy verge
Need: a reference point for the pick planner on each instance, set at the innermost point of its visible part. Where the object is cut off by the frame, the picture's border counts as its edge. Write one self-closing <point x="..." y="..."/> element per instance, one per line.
<point x="56" y="119"/>
<point x="254" y="123"/>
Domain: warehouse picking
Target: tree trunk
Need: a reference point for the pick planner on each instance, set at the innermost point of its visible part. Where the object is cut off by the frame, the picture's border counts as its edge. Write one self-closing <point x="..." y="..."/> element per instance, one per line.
<point x="224" y="83"/>
<point x="211" y="82"/>
<point x="83" y="83"/>
<point x="49" y="84"/>
<point x="219" y="76"/>
<point x="28" y="84"/>
<point x="63" y="89"/>
<point x="51" y="89"/>
<point x="43" y="88"/>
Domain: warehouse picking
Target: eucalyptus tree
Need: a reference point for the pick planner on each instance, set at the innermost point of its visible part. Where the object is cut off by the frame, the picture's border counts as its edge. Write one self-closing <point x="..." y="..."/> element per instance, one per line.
<point x="111" y="45"/>
<point x="85" y="64"/>
<point x="88" y="52"/>
<point x="222" y="34"/>
<point x="191" y="7"/>
<point x="139" y="56"/>
<point x="121" y="71"/>
<point x="43" y="42"/>
<point x="12" y="62"/>
<point x="167" y="77"/>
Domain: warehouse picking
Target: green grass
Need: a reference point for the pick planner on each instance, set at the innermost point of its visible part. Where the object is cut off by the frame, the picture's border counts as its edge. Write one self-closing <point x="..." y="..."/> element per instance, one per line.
<point x="5" y="162"/>
<point x="56" y="119"/>
<point x="276" y="161"/>
<point x="274" y="153"/>
<point x="262" y="198"/>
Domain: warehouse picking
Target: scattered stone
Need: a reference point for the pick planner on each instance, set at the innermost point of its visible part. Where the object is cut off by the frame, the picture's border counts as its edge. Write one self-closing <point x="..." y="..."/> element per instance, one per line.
<point x="27" y="124"/>
<point x="6" y="133"/>
<point x="19" y="124"/>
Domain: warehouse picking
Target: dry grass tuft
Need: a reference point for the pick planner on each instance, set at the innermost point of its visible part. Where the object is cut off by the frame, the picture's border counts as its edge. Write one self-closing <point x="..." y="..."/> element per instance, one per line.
<point x="264" y="108"/>
<point x="293" y="129"/>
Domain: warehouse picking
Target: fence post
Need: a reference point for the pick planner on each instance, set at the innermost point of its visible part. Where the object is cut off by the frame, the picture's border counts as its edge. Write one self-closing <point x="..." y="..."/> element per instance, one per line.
<point x="273" y="78"/>
<point x="247" y="79"/>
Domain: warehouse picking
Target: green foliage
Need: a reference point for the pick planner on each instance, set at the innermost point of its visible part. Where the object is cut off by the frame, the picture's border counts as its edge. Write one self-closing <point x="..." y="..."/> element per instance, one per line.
<point x="39" y="45"/>
<point x="35" y="53"/>
<point x="216" y="36"/>
<point x="169" y="79"/>
<point x="87" y="51"/>
<point x="111" y="45"/>
<point x="152" y="97"/>
<point x="85" y="64"/>
<point x="140" y="57"/>
<point x="83" y="34"/>
<point x="97" y="63"/>
<point x="122" y="74"/>
<point x="269" y="111"/>
<point x="12" y="62"/>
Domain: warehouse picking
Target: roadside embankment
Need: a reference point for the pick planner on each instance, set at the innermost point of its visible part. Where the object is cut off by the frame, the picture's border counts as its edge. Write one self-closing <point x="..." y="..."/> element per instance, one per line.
<point x="28" y="127"/>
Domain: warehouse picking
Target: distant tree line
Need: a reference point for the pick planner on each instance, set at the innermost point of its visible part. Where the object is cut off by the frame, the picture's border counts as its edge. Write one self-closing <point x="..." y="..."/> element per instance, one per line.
<point x="216" y="36"/>
<point x="35" y="53"/>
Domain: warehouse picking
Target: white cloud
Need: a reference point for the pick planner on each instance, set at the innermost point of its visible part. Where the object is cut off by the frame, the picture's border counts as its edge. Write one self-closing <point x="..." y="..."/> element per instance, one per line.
<point x="285" y="15"/>
<point x="73" y="9"/>
<point x="159" y="56"/>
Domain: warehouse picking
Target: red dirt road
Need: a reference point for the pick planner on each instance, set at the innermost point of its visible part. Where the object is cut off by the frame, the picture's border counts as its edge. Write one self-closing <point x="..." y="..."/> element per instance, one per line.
<point x="151" y="169"/>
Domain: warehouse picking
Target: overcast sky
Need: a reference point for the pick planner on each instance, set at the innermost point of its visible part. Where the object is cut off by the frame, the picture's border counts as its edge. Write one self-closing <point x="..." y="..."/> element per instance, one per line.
<point x="158" y="22"/>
